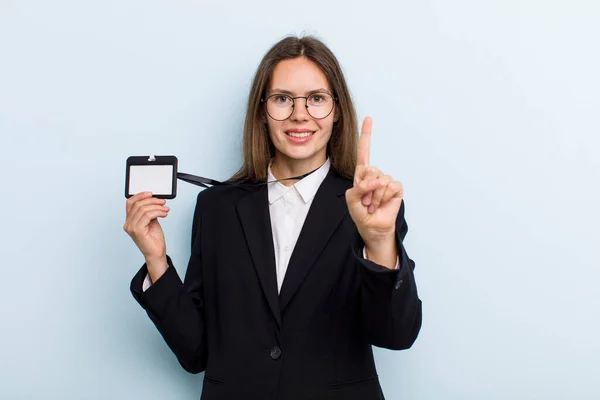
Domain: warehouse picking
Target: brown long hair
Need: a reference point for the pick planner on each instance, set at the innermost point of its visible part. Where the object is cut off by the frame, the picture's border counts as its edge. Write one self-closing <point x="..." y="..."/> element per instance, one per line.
<point x="258" y="149"/>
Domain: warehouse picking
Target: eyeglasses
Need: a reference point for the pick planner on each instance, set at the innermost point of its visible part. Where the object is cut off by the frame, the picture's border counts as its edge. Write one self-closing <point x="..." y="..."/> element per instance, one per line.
<point x="281" y="106"/>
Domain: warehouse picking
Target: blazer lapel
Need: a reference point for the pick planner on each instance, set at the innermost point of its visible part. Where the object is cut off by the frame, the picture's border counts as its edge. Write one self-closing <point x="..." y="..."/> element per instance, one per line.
<point x="325" y="214"/>
<point x="253" y="211"/>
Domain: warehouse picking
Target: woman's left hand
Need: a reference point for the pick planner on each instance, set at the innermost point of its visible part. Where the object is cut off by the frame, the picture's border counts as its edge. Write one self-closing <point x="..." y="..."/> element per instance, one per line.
<point x="375" y="198"/>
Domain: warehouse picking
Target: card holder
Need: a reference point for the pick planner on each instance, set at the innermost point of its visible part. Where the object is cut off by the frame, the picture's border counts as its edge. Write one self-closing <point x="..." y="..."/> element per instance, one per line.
<point x="156" y="174"/>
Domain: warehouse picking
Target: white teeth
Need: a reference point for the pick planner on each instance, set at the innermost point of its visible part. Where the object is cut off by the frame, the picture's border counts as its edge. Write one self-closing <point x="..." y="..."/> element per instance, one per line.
<point x="299" y="135"/>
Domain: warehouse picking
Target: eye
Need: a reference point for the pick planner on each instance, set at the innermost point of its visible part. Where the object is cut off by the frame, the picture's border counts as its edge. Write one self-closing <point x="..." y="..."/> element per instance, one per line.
<point x="281" y="99"/>
<point x="319" y="99"/>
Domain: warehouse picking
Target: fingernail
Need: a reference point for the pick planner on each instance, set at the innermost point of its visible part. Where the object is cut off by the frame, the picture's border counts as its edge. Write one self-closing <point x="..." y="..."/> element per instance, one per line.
<point x="371" y="209"/>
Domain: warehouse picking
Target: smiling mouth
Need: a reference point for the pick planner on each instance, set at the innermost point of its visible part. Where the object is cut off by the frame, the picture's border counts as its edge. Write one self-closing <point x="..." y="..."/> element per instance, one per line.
<point x="299" y="135"/>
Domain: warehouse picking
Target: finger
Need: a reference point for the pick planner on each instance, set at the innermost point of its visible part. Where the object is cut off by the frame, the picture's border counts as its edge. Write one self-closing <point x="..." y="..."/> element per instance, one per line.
<point x="356" y="193"/>
<point x="371" y="173"/>
<point x="152" y="215"/>
<point x="135" y="198"/>
<point x="144" y="202"/>
<point x="138" y="220"/>
<point x="366" y="187"/>
<point x="364" y="142"/>
<point x="394" y="189"/>
<point x="134" y="214"/>
<point x="381" y="190"/>
<point x="146" y="209"/>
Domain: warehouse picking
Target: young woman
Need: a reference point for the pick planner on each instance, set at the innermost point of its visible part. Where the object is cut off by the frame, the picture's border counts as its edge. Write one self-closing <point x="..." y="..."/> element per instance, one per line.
<point x="290" y="281"/>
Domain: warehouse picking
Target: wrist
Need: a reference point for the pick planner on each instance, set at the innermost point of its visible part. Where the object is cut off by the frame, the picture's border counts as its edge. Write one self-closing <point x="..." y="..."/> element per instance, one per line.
<point x="381" y="241"/>
<point x="382" y="252"/>
<point x="156" y="267"/>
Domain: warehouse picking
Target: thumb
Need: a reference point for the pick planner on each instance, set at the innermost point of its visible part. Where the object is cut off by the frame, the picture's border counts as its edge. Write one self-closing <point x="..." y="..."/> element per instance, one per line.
<point x="360" y="189"/>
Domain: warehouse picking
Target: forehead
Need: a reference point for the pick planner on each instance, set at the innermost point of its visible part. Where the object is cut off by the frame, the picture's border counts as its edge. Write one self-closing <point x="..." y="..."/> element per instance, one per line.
<point x="298" y="75"/>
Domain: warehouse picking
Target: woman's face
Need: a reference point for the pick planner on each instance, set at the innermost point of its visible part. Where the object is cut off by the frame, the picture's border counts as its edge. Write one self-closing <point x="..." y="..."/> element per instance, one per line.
<point x="300" y="137"/>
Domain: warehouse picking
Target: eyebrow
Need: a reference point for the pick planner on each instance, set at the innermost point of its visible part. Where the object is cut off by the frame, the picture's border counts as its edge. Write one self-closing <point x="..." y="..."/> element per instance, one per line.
<point x="320" y="90"/>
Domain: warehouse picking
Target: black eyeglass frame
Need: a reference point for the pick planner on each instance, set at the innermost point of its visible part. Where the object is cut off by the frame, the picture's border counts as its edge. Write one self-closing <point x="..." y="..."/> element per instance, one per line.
<point x="264" y="100"/>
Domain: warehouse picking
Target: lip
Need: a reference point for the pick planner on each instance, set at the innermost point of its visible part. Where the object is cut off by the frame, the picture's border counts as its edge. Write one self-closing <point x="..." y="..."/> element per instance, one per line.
<point x="298" y="130"/>
<point x="297" y="140"/>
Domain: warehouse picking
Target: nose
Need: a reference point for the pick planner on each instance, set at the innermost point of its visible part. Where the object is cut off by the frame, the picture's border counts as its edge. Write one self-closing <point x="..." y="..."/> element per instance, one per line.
<point x="299" y="112"/>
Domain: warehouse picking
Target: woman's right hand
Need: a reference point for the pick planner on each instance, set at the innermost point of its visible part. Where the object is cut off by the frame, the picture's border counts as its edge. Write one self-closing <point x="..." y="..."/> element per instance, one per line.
<point x="141" y="223"/>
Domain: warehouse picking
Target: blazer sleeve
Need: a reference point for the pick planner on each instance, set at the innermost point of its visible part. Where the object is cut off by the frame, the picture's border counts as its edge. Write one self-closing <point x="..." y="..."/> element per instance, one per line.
<point x="176" y="308"/>
<point x="390" y="305"/>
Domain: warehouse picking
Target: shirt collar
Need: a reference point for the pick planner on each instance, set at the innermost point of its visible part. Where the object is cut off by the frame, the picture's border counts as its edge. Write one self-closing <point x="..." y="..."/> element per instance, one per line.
<point x="306" y="187"/>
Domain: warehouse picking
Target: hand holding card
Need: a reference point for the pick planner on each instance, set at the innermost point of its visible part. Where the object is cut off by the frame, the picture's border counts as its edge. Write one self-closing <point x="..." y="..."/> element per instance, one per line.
<point x="142" y="225"/>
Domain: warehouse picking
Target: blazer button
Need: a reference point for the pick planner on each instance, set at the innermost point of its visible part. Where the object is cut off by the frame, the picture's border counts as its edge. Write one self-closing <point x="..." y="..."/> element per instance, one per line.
<point x="398" y="284"/>
<point x="275" y="353"/>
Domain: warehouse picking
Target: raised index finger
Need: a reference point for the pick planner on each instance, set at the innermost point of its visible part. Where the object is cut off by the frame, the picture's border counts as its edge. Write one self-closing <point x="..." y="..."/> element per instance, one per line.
<point x="364" y="142"/>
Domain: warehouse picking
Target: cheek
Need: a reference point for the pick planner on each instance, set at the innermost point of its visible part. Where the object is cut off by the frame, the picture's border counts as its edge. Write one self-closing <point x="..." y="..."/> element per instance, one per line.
<point x="274" y="129"/>
<point x="327" y="126"/>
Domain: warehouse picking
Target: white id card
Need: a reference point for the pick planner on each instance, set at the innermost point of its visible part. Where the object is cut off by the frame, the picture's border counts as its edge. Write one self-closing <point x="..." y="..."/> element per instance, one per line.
<point x="156" y="174"/>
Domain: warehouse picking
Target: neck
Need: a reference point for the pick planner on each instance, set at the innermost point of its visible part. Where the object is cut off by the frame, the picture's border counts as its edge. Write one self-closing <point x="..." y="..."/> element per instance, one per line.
<point x="285" y="167"/>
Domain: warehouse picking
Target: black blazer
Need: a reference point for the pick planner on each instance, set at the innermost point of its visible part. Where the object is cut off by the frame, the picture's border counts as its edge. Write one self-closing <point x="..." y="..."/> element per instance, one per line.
<point x="313" y="340"/>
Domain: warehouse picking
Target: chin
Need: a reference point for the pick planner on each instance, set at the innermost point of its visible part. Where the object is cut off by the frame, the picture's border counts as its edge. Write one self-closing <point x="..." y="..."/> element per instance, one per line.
<point x="301" y="154"/>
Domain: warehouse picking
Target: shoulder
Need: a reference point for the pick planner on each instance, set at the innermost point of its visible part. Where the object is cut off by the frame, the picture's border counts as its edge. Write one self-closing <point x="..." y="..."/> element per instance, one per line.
<point x="337" y="182"/>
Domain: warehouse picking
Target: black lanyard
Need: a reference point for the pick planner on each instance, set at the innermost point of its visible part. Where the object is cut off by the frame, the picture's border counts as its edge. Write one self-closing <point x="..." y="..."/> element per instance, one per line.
<point x="204" y="182"/>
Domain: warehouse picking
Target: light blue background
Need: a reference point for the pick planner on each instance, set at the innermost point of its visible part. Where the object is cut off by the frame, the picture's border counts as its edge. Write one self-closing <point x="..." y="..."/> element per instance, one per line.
<point x="487" y="111"/>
